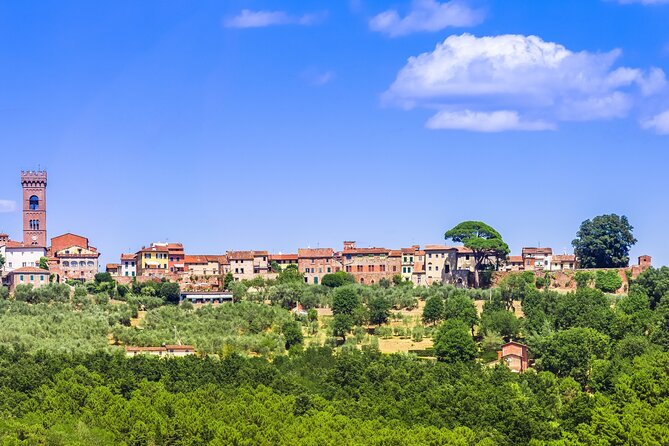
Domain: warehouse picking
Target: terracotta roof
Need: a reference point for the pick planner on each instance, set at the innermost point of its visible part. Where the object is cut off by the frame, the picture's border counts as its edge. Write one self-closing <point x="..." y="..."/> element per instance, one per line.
<point x="534" y="251"/>
<point x="420" y="253"/>
<point x="463" y="250"/>
<point x="515" y="259"/>
<point x="67" y="241"/>
<point x="13" y="244"/>
<point x="154" y="249"/>
<point x="563" y="258"/>
<point x="241" y="255"/>
<point x="438" y="248"/>
<point x="144" y="349"/>
<point x="195" y="259"/>
<point x="29" y="269"/>
<point x="283" y="257"/>
<point x="179" y="347"/>
<point x="128" y="256"/>
<point x="395" y="253"/>
<point x="113" y="265"/>
<point x="410" y="250"/>
<point x="260" y="253"/>
<point x="315" y="253"/>
<point x="366" y="251"/>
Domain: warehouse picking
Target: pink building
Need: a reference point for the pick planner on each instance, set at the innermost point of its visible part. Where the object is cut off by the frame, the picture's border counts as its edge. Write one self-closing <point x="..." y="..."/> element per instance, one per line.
<point x="515" y="355"/>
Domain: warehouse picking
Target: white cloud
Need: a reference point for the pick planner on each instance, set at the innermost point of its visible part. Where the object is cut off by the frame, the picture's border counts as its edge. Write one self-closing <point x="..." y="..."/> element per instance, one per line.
<point x="658" y="123"/>
<point x="523" y="76"/>
<point x="322" y="78"/>
<point x="426" y="15"/>
<point x="261" y="19"/>
<point x="496" y="121"/>
<point x="644" y="2"/>
<point x="7" y="206"/>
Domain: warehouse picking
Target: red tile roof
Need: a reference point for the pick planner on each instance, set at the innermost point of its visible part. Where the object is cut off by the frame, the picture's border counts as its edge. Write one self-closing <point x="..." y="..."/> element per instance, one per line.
<point x="128" y="256"/>
<point x="67" y="241"/>
<point x="241" y="255"/>
<point x="563" y="258"/>
<point x="515" y="259"/>
<point x="395" y="253"/>
<point x="315" y="253"/>
<point x="366" y="251"/>
<point x="411" y="250"/>
<point x="439" y="248"/>
<point x="193" y="259"/>
<point x="535" y="251"/>
<point x="283" y="257"/>
<point x="29" y="270"/>
<point x="154" y="249"/>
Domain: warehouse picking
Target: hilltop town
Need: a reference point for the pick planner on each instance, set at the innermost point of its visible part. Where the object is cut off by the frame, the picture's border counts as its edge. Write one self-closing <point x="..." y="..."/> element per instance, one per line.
<point x="70" y="257"/>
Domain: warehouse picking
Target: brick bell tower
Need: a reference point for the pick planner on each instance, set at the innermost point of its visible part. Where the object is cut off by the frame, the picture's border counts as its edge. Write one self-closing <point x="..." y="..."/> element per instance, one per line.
<point x="34" y="207"/>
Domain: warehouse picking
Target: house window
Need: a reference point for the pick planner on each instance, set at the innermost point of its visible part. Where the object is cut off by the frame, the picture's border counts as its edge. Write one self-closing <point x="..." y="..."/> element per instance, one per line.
<point x="370" y="268"/>
<point x="32" y="278"/>
<point x="348" y="269"/>
<point x="382" y="268"/>
<point x="316" y="280"/>
<point x="41" y="277"/>
<point x="359" y="268"/>
<point x="329" y="269"/>
<point x="133" y="274"/>
<point x="21" y="277"/>
<point x="436" y="268"/>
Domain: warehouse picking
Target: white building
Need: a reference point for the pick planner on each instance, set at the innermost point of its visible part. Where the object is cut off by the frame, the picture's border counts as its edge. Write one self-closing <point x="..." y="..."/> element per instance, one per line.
<point x="128" y="265"/>
<point x="17" y="255"/>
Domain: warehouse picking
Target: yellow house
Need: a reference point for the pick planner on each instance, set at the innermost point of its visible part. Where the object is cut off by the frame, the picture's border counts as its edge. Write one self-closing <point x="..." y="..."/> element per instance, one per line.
<point x="152" y="261"/>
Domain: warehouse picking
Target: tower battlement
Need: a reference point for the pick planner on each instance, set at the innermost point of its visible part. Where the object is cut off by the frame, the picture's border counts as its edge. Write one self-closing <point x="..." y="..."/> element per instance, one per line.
<point x="33" y="177"/>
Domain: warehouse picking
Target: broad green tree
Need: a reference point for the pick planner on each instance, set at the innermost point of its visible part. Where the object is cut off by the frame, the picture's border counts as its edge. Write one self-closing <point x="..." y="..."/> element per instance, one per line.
<point x="461" y="307"/>
<point x="484" y="241"/>
<point x="604" y="242"/>
<point x="433" y="311"/>
<point x="340" y="278"/>
<point x="379" y="309"/>
<point x="454" y="343"/>
<point x="346" y="309"/>
<point x="654" y="282"/>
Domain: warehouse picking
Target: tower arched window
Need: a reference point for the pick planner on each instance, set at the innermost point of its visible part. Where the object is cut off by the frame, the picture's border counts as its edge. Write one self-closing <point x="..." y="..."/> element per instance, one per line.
<point x="34" y="203"/>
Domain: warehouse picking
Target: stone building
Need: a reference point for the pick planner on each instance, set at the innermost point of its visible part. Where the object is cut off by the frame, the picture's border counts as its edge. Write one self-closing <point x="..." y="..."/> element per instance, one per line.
<point x="536" y="259"/>
<point x="369" y="265"/>
<point x="314" y="263"/>
<point x="283" y="260"/>
<point x="75" y="259"/>
<point x="28" y="275"/>
<point x="242" y="264"/>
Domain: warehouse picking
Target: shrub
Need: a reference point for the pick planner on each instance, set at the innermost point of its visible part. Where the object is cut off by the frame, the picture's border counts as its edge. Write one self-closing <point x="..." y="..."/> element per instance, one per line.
<point x="583" y="279"/>
<point x="608" y="281"/>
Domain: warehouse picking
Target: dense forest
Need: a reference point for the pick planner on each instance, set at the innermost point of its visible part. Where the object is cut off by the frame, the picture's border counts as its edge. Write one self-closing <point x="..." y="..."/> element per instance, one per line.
<point x="599" y="376"/>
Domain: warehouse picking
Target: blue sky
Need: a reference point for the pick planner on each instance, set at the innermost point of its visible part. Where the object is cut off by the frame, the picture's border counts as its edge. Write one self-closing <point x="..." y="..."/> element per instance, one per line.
<point x="278" y="125"/>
